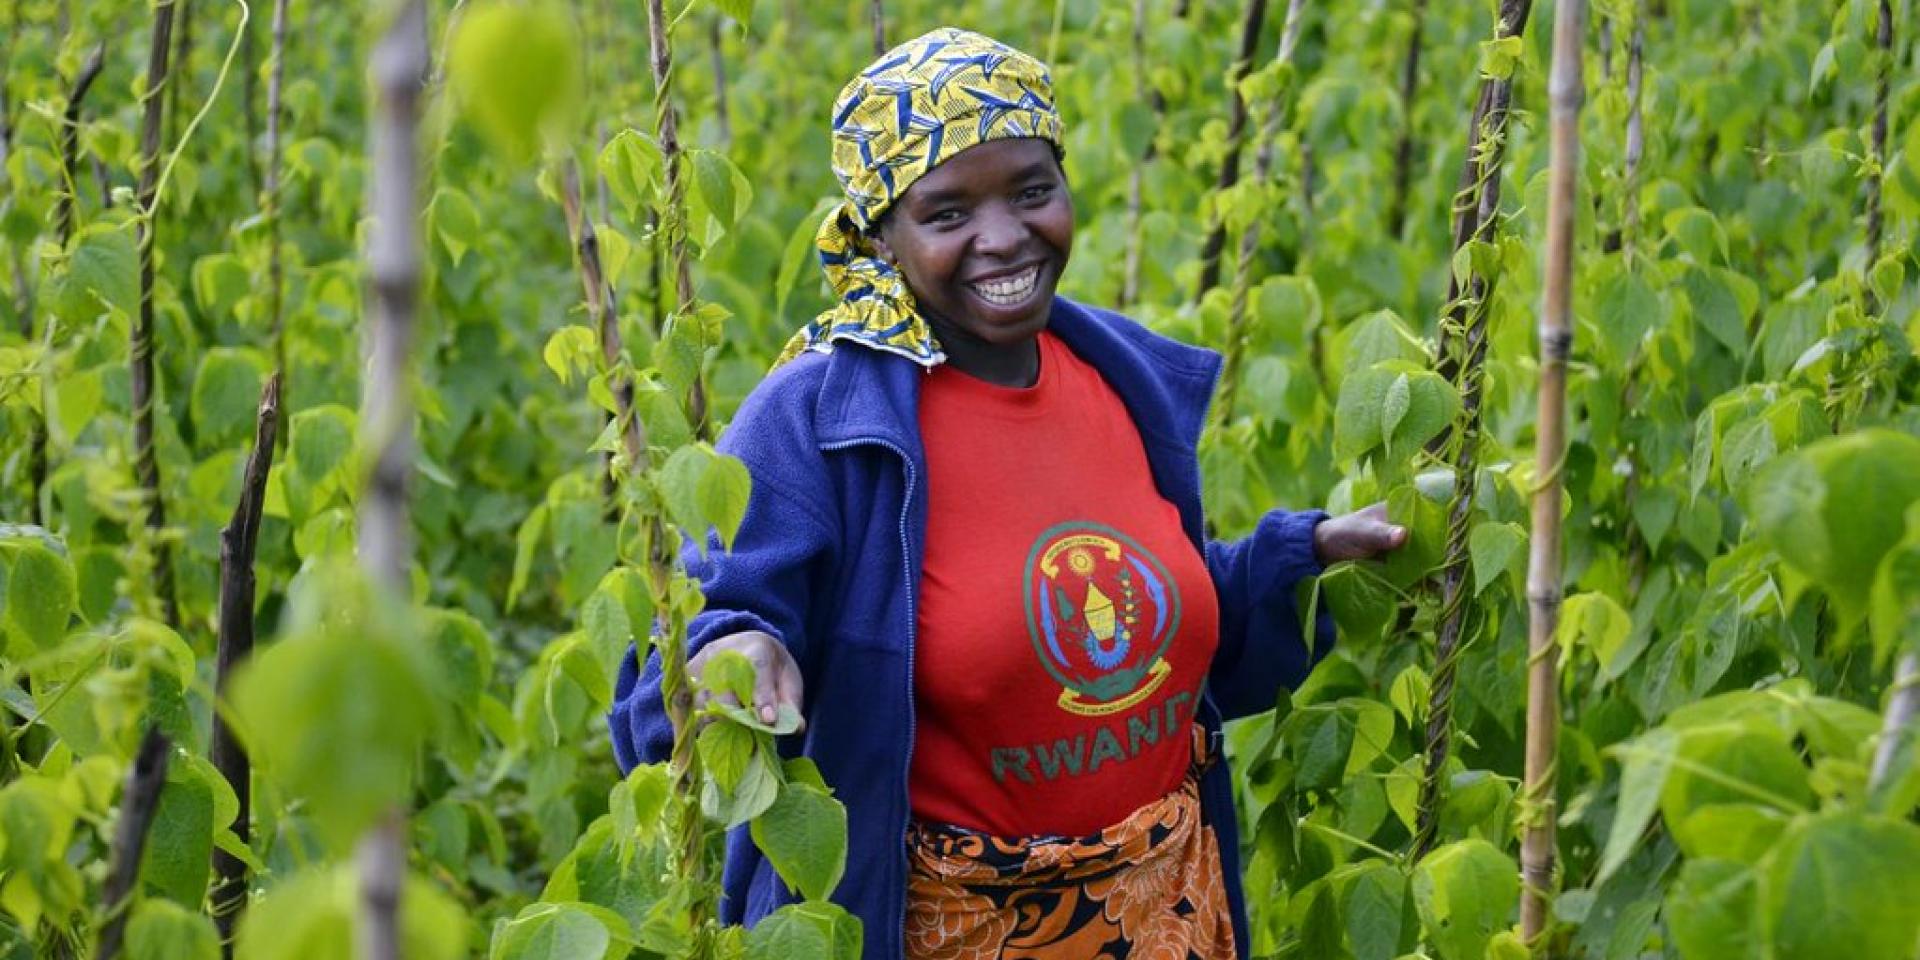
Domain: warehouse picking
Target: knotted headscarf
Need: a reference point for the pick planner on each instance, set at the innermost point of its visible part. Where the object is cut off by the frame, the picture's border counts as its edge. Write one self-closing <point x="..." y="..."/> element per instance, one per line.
<point x="916" y="107"/>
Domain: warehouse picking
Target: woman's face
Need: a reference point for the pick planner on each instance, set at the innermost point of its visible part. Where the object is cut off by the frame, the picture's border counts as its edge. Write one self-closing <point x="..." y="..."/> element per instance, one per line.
<point x="982" y="240"/>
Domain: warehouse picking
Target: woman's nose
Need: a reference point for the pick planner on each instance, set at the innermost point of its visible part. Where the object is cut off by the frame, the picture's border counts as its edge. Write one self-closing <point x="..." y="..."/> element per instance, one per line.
<point x="1001" y="233"/>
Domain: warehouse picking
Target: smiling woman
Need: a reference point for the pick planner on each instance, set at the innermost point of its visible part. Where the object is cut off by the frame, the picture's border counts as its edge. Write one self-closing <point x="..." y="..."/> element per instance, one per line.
<point x="974" y="558"/>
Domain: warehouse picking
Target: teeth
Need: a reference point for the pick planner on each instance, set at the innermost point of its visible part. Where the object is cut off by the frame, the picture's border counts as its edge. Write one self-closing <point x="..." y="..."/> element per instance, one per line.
<point x="1007" y="291"/>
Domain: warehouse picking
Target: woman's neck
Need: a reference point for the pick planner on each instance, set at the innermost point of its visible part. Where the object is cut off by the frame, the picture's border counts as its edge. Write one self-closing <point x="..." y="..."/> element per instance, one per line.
<point x="1003" y="364"/>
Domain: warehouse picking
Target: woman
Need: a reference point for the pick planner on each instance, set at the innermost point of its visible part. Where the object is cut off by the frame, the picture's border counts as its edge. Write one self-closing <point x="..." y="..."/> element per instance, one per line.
<point x="974" y="557"/>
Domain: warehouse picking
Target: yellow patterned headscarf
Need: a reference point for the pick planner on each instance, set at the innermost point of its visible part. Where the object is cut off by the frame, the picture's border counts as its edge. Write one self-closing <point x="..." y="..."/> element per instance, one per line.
<point x="913" y="109"/>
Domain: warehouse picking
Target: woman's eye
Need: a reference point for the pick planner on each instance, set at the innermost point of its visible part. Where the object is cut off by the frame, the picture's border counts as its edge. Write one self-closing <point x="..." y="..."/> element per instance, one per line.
<point x="1037" y="192"/>
<point x="948" y="215"/>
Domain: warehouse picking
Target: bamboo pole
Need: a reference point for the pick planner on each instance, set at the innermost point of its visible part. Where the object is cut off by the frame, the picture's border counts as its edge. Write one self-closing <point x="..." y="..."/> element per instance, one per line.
<point x="673" y="222"/>
<point x="1464" y="346"/>
<point x="878" y="10"/>
<point x="1236" y="349"/>
<point x="1636" y="147"/>
<point x="1216" y="241"/>
<point x="237" y="543"/>
<point x="1902" y="709"/>
<point x="22" y="289"/>
<point x="1403" y="150"/>
<point x="1566" y="93"/>
<point x="182" y="66"/>
<point x="399" y="71"/>
<point x="146" y="463"/>
<point x="138" y="801"/>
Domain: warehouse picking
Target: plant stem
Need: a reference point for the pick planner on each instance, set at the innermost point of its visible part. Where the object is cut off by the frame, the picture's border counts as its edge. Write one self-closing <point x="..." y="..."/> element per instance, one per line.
<point x="673" y="221"/>
<point x="1403" y="151"/>
<point x="237" y="543"/>
<point x="137" y="805"/>
<point x="146" y="464"/>
<point x="249" y="97"/>
<point x="600" y="310"/>
<point x="1463" y="356"/>
<point x="1216" y="241"/>
<point x="398" y="67"/>
<point x="1566" y="93"/>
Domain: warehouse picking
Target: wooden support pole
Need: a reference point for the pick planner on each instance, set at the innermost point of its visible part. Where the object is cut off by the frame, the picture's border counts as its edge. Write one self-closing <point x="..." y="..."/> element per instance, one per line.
<point x="1566" y="92"/>
<point x="1403" y="150"/>
<point x="1216" y="240"/>
<point x="137" y="805"/>
<point x="673" y="221"/>
<point x="399" y="71"/>
<point x="238" y="541"/>
<point x="146" y="462"/>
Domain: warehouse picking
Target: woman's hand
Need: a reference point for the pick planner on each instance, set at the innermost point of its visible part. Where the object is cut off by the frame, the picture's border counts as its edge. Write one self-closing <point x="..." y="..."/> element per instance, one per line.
<point x="1361" y="535"/>
<point x="776" y="677"/>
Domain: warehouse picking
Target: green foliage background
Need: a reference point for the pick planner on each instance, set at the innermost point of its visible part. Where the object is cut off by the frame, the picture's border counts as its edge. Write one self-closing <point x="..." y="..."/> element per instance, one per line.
<point x="1739" y="581"/>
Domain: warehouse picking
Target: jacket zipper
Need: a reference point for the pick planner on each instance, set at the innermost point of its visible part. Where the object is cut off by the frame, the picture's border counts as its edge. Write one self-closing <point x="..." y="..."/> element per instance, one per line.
<point x="906" y="563"/>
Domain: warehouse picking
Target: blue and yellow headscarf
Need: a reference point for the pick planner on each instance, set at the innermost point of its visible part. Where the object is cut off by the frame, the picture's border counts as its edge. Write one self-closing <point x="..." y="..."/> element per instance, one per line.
<point x="913" y="109"/>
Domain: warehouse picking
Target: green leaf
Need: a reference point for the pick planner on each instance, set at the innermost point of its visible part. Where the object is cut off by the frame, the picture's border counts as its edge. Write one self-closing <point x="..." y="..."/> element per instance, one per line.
<point x="1598" y="622"/>
<point x="455" y="222"/>
<point x="552" y="931"/>
<point x="513" y="70"/>
<point x="1834" y="508"/>
<point x="76" y="398"/>
<point x="178" y="855"/>
<point x="1362" y="602"/>
<point x="1731" y="764"/>
<point x="1496" y="549"/>
<point x="571" y="350"/>
<point x="740" y="10"/>
<point x="226" y="395"/>
<point x="312" y="916"/>
<point x="804" y="835"/>
<point x="1710" y="912"/>
<point x="726" y="748"/>
<point x="1624" y="309"/>
<point x="105" y="268"/>
<point x="821" y="930"/>
<point x="220" y="280"/>
<point x="682" y="480"/>
<point x="633" y="168"/>
<point x="1843" y="884"/>
<point x="40" y="595"/>
<point x="799" y="253"/>
<point x="1393" y="409"/>
<point x="1644" y="766"/>
<point x="1379" y="913"/>
<point x="1716" y="309"/>
<point x="1466" y="892"/>
<point x="723" y="490"/>
<point x="1357" y="413"/>
<point x="164" y="930"/>
<point x="1894" y="602"/>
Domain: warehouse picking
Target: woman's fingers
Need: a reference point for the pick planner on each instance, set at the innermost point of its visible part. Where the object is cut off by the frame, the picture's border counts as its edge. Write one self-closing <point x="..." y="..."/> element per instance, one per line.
<point x="1360" y="535"/>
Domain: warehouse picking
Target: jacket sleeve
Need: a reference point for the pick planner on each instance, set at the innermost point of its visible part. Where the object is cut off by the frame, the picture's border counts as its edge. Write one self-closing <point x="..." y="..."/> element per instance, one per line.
<point x="764" y="583"/>
<point x="1262" y="648"/>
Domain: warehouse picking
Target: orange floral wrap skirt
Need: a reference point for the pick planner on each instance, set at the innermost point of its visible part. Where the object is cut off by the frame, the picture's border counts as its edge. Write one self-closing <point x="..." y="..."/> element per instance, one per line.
<point x="1147" y="888"/>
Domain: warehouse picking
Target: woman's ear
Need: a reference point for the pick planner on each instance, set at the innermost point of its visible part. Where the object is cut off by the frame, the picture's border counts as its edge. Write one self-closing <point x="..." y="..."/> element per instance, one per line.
<point x="877" y="235"/>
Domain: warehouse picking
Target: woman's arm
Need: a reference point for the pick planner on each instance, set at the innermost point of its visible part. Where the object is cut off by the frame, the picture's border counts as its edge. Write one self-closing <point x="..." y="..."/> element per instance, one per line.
<point x="1262" y="648"/>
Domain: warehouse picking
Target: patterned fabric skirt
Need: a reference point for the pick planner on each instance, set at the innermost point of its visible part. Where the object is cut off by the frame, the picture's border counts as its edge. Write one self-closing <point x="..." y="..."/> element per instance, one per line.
<point x="1147" y="888"/>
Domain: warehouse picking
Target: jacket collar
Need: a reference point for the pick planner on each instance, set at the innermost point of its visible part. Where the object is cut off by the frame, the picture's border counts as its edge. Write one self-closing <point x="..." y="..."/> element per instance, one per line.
<point x="868" y="395"/>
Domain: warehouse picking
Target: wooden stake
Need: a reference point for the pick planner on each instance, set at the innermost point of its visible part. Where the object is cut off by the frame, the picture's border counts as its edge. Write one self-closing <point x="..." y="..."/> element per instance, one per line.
<point x="399" y="72"/>
<point x="270" y="195"/>
<point x="1566" y="92"/>
<point x="1236" y="347"/>
<point x="673" y="222"/>
<point x="137" y="805"/>
<point x="879" y="14"/>
<point x="1216" y="241"/>
<point x="1902" y="709"/>
<point x="237" y="542"/>
<point x="146" y="463"/>
<point x="63" y="218"/>
<point x="1403" y="151"/>
<point x="1463" y="355"/>
<point x="600" y="310"/>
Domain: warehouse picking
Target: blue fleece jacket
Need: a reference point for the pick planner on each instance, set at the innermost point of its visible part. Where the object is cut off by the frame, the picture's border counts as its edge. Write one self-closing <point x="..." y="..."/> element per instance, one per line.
<point x="828" y="561"/>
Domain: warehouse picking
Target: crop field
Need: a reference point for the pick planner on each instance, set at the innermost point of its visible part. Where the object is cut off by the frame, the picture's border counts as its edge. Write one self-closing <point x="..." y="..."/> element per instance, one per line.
<point x="362" y="365"/>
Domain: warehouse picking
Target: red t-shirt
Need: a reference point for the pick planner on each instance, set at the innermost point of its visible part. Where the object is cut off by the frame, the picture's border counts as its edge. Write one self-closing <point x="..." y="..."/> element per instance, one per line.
<point x="1065" y="620"/>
